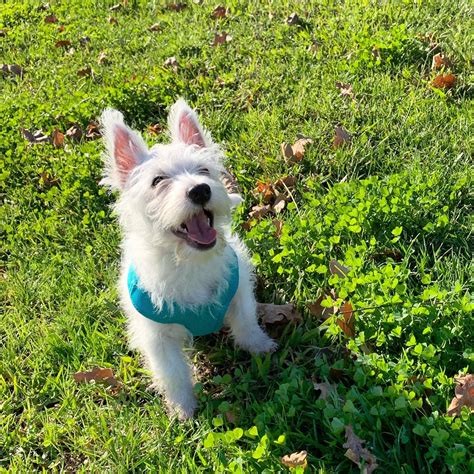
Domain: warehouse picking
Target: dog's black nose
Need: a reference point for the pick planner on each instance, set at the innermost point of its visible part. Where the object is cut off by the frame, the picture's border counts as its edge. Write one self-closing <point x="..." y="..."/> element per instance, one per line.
<point x="200" y="194"/>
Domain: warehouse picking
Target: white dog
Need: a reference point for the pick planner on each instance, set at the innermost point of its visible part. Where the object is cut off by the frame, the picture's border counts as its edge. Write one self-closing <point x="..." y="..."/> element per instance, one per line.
<point x="183" y="272"/>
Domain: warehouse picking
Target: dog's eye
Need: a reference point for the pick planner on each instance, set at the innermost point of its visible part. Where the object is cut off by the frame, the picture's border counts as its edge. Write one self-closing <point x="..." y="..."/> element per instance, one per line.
<point x="157" y="179"/>
<point x="204" y="171"/>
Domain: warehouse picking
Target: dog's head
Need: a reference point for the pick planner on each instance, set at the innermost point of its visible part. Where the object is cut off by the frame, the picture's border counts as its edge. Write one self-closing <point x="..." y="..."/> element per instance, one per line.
<point x="172" y="193"/>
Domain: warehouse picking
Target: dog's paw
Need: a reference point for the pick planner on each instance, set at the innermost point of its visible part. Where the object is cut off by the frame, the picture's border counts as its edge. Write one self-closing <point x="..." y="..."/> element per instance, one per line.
<point x="183" y="409"/>
<point x="257" y="343"/>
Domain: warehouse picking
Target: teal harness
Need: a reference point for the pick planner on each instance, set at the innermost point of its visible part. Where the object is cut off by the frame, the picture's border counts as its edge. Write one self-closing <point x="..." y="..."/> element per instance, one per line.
<point x="199" y="320"/>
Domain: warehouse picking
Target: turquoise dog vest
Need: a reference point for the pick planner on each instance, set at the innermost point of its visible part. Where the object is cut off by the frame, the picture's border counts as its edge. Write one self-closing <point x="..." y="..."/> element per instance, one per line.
<point x="199" y="320"/>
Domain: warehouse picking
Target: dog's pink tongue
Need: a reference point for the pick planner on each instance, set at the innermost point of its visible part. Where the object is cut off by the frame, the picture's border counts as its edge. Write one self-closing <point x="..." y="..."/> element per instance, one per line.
<point x="199" y="229"/>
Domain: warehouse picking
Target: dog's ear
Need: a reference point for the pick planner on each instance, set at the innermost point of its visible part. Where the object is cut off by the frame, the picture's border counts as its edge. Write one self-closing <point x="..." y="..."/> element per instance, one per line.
<point x="125" y="149"/>
<point x="184" y="126"/>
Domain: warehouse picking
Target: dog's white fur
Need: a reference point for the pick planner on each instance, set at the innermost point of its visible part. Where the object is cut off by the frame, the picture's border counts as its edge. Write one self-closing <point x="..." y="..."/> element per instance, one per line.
<point x="168" y="268"/>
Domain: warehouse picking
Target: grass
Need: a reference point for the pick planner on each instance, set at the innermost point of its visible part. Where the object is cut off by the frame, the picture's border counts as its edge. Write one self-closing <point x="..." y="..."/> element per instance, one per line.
<point x="394" y="205"/>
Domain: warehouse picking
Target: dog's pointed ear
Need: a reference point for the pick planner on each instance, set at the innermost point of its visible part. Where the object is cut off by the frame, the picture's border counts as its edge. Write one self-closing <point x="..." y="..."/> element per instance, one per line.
<point x="184" y="126"/>
<point x="125" y="149"/>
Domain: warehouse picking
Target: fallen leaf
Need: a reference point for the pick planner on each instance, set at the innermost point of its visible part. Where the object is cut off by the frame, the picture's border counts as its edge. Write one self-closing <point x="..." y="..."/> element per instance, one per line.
<point x="345" y="89"/>
<point x="315" y="46"/>
<point x="293" y="20"/>
<point x="273" y="313"/>
<point x="347" y="324"/>
<point x="315" y="308"/>
<point x="376" y="53"/>
<point x="112" y="20"/>
<point x="285" y="182"/>
<point x="278" y="227"/>
<point x="12" y="70"/>
<point x="85" y="71"/>
<point x="440" y="61"/>
<point x="155" y="129"/>
<point x="444" y="81"/>
<point x="258" y="212"/>
<point x="176" y="7"/>
<point x="385" y="253"/>
<point x="50" y="19"/>
<point x="296" y="151"/>
<point x="35" y="137"/>
<point x="295" y="460"/>
<point x="57" y="138"/>
<point x="172" y="63"/>
<point x="221" y="38"/>
<point x="464" y="395"/>
<point x="97" y="375"/>
<point x="116" y="7"/>
<point x="3" y="33"/>
<point x="93" y="131"/>
<point x="341" y="137"/>
<point x="74" y="132"/>
<point x="155" y="27"/>
<point x="61" y="28"/>
<point x="83" y="40"/>
<point x="230" y="416"/>
<point x="280" y="204"/>
<point x="326" y="389"/>
<point x="266" y="191"/>
<point x="357" y="453"/>
<point x="103" y="59"/>
<point x="338" y="269"/>
<point x="49" y="181"/>
<point x="62" y="43"/>
<point x="219" y="12"/>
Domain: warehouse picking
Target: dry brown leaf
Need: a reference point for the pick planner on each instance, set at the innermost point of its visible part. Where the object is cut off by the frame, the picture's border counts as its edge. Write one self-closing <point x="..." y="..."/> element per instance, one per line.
<point x="295" y="152"/>
<point x="155" y="27"/>
<point x="62" y="43"/>
<point x="347" y="324"/>
<point x="221" y="38"/>
<point x="285" y="182"/>
<point x="325" y="388"/>
<point x="345" y="89"/>
<point x="155" y="129"/>
<point x="357" y="453"/>
<point x="280" y="204"/>
<point x="74" y="132"/>
<point x="112" y="20"/>
<point x="85" y="71"/>
<point x="61" y="28"/>
<point x="295" y="460"/>
<point x="35" y="137"/>
<point x="266" y="191"/>
<point x="103" y="59"/>
<point x="57" y="138"/>
<point x="274" y="313"/>
<point x="230" y="416"/>
<point x="278" y="227"/>
<point x="116" y="7"/>
<point x="12" y="70"/>
<point x="3" y="33"/>
<point x="84" y="40"/>
<point x="219" y="12"/>
<point x="172" y="63"/>
<point x="93" y="131"/>
<point x="341" y="137"/>
<point x="97" y="375"/>
<point x="440" y="61"/>
<point x="293" y="20"/>
<point x="258" y="212"/>
<point x="315" y="308"/>
<point x="444" y="81"/>
<point x="464" y="395"/>
<point x="176" y="7"/>
<point x="48" y="180"/>
<point x="50" y="19"/>
<point x="337" y="268"/>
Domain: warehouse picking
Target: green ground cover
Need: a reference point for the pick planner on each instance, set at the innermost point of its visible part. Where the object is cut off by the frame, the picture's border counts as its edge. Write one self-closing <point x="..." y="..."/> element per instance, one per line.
<point x="394" y="206"/>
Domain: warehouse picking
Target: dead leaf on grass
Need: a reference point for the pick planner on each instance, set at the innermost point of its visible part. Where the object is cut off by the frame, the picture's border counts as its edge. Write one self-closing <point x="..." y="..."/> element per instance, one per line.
<point x="357" y="453"/>
<point x="112" y="20"/>
<point x="285" y="182"/>
<point x="278" y="227"/>
<point x="341" y="137"/>
<point x="58" y="138"/>
<point x="62" y="43"/>
<point x="48" y="181"/>
<point x="50" y="19"/>
<point x="85" y="71"/>
<point x="464" y="395"/>
<point x="97" y="375"/>
<point x="345" y="89"/>
<point x="172" y="63"/>
<point x="155" y="27"/>
<point x="219" y="12"/>
<point x="93" y="131"/>
<point x="116" y="7"/>
<point x="325" y="388"/>
<point x="337" y="268"/>
<point x="347" y="324"/>
<point x="103" y="59"/>
<point x="36" y="137"/>
<point x="74" y="132"/>
<point x="294" y="460"/>
<point x="444" y="81"/>
<point x="266" y="191"/>
<point x="258" y="212"/>
<point x="440" y="61"/>
<point x="221" y="38"/>
<point x="293" y="20"/>
<point x="279" y="204"/>
<point x="155" y="129"/>
<point x="176" y="7"/>
<point x="274" y="313"/>
<point x="295" y="152"/>
<point x="316" y="309"/>
<point x="12" y="70"/>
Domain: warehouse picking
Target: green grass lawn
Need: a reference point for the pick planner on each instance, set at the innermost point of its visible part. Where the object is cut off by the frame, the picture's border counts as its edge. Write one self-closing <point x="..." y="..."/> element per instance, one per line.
<point x="394" y="205"/>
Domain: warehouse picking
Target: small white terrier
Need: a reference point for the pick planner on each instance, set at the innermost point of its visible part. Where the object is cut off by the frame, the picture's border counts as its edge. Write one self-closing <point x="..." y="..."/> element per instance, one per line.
<point x="183" y="272"/>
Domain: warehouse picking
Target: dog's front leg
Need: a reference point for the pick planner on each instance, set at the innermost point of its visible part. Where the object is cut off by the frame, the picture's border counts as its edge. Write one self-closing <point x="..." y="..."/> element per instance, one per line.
<point x="162" y="346"/>
<point x="242" y="319"/>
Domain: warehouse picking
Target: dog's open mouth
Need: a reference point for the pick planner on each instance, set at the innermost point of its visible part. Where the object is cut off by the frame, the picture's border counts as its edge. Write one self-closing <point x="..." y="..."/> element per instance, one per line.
<point x="198" y="230"/>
